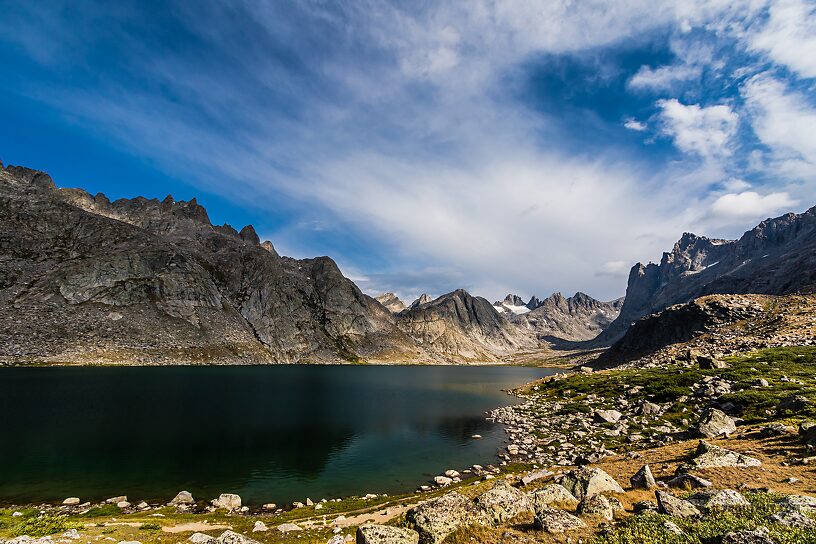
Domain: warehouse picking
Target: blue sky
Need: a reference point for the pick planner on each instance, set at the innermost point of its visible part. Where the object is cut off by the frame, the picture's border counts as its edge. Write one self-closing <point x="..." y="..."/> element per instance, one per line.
<point x="512" y="146"/>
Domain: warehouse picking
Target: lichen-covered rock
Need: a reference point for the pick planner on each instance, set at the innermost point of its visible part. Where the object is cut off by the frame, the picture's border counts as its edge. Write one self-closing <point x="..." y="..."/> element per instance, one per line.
<point x="585" y="481"/>
<point x="386" y="534"/>
<point x="596" y="505"/>
<point x="554" y="520"/>
<point x="231" y="537"/>
<point x="643" y="479"/>
<point x="688" y="481"/>
<point x="227" y="501"/>
<point x="183" y="497"/>
<point x="800" y="503"/>
<point x="503" y="502"/>
<point x="437" y="518"/>
<point x="202" y="538"/>
<point x="721" y="499"/>
<point x="714" y="423"/>
<point x="553" y="493"/>
<point x="761" y="535"/>
<point x="673" y="506"/>
<point x="711" y="456"/>
<point x="793" y="518"/>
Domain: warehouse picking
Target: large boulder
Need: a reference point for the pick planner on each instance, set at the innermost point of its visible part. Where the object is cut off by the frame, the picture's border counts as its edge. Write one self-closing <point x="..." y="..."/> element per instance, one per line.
<point x="202" y="538"/>
<point x="711" y="456"/>
<point x="793" y="518"/>
<point x="553" y="493"/>
<point x="386" y="534"/>
<point x="800" y="503"/>
<point x="673" y="506"/>
<point x="598" y="506"/>
<point x="554" y="520"/>
<point x="230" y="537"/>
<point x="607" y="416"/>
<point x="714" y="423"/>
<point x="183" y="497"/>
<point x="586" y="481"/>
<point x="643" y="479"/>
<point x="502" y="503"/>
<point x="722" y="499"/>
<point x="437" y="518"/>
<point x="227" y="501"/>
<point x="760" y="535"/>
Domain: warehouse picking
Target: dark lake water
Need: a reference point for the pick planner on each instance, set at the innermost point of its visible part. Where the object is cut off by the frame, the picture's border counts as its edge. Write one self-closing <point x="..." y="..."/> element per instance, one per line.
<point x="268" y="433"/>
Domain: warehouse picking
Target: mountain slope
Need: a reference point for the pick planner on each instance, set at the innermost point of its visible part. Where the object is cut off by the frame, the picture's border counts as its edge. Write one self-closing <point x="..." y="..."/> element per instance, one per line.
<point x="391" y="302"/>
<point x="458" y="325"/>
<point x="83" y="278"/>
<point x="776" y="257"/>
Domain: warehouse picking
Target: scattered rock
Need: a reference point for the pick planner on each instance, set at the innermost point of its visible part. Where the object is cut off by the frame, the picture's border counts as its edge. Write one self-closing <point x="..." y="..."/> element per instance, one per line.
<point x="688" y="481"/>
<point x="437" y="518"/>
<point x="231" y="537"/>
<point x="587" y="481"/>
<point x="442" y="480"/>
<point x="554" y="520"/>
<point x="711" y="456"/>
<point x="793" y="518"/>
<point x="596" y="505"/>
<point x="183" y="497"/>
<point x="670" y="505"/>
<point x="714" y="423"/>
<point x="386" y="534"/>
<point x="73" y="534"/>
<point x="71" y="501"/>
<point x="531" y="477"/>
<point x="758" y="536"/>
<point x="503" y="502"/>
<point x="800" y="503"/>
<point x="201" y="538"/>
<point x="776" y="429"/>
<point x="607" y="416"/>
<point x="719" y="500"/>
<point x="259" y="527"/>
<point x="289" y="527"/>
<point x="672" y="528"/>
<point x="793" y="404"/>
<point x="228" y="501"/>
<point x="643" y="479"/>
<point x="709" y="363"/>
<point x="553" y="493"/>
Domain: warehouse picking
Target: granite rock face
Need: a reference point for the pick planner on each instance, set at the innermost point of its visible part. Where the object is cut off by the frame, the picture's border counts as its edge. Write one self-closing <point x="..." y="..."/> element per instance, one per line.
<point x="777" y="257"/>
<point x="84" y="279"/>
<point x="391" y="302"/>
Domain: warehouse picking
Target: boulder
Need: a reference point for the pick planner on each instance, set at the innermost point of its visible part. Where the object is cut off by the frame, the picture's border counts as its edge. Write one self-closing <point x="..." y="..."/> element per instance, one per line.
<point x="643" y="479"/>
<point x="673" y="506"/>
<point x="672" y="528"/>
<point x="688" y="481"/>
<point x="531" y="477"/>
<point x="800" y="503"/>
<point x="710" y="363"/>
<point x="442" y="480"/>
<point x="259" y="527"/>
<point x="714" y="423"/>
<point x="793" y="518"/>
<point x="201" y="538"/>
<point x="607" y="416"/>
<point x="437" y="518"/>
<point x="776" y="429"/>
<point x="288" y="527"/>
<point x="757" y="536"/>
<point x="649" y="408"/>
<point x="598" y="506"/>
<point x="183" y="497"/>
<point x="587" y="481"/>
<point x="386" y="534"/>
<point x="711" y="456"/>
<point x="553" y="520"/>
<point x="116" y="500"/>
<point x="722" y="499"/>
<point x="553" y="493"/>
<point x="792" y="405"/>
<point x="71" y="501"/>
<point x="228" y="501"/>
<point x="73" y="534"/>
<point x="231" y="537"/>
<point x="502" y="503"/>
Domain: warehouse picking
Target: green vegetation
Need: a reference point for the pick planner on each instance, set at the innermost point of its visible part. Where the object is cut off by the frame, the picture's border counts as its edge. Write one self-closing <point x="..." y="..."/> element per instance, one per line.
<point x="42" y="525"/>
<point x="150" y="527"/>
<point x="100" y="511"/>
<point x="650" y="527"/>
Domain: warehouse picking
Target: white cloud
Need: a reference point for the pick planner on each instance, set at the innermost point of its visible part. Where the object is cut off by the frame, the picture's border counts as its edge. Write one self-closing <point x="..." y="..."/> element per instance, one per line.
<point x="750" y="204"/>
<point x="664" y="77"/>
<point x="736" y="185"/>
<point x="785" y="121"/>
<point x="616" y="269"/>
<point x="789" y="36"/>
<point x="704" y="131"/>
<point x="634" y="124"/>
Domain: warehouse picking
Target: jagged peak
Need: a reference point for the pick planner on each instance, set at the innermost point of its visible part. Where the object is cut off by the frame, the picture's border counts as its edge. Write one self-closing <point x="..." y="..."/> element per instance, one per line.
<point x="248" y="234"/>
<point x="267" y="245"/>
<point x="31" y="176"/>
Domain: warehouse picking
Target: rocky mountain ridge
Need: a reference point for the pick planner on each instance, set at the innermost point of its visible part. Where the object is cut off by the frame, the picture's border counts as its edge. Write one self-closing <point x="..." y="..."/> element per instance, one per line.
<point x="391" y="302"/>
<point x="84" y="279"/>
<point x="777" y="257"/>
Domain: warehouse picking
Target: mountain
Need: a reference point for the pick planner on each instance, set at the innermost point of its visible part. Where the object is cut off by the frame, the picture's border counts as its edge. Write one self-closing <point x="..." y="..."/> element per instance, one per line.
<point x="391" y="302"/>
<point x="424" y="298"/>
<point x="458" y="325"/>
<point x="86" y="279"/>
<point x="776" y="257"/>
<point x="511" y="305"/>
<point x="556" y="318"/>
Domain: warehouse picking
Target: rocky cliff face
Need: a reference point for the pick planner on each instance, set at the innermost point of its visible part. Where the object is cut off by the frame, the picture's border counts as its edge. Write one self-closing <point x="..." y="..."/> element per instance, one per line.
<point x="776" y="257"/>
<point x="556" y="318"/>
<point x="458" y="325"/>
<point x="391" y="302"/>
<point x="83" y="278"/>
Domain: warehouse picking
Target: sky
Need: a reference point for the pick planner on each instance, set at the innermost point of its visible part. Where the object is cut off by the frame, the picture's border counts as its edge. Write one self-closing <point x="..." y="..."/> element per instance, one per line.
<point x="514" y="146"/>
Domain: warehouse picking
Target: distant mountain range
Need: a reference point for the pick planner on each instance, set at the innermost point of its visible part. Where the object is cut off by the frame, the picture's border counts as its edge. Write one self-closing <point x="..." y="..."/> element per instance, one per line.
<point x="87" y="280"/>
